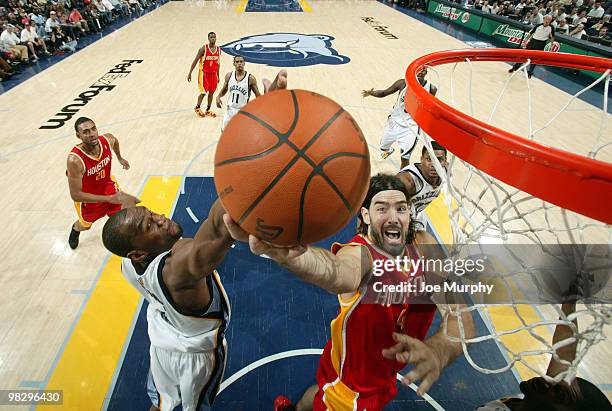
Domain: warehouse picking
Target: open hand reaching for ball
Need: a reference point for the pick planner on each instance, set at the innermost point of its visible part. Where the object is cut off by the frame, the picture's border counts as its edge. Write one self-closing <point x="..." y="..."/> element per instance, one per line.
<point x="280" y="254"/>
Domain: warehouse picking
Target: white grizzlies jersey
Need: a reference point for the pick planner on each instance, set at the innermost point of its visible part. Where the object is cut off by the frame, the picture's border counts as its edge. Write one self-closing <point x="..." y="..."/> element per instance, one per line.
<point x="168" y="327"/>
<point x="239" y="92"/>
<point x="398" y="113"/>
<point x="425" y="192"/>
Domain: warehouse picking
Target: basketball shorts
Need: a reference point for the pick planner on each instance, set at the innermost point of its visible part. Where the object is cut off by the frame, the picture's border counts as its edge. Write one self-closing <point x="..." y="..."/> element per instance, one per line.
<point x="404" y="134"/>
<point x="334" y="395"/>
<point x="229" y="113"/>
<point x="208" y="82"/>
<point x="90" y="212"/>
<point x="190" y="379"/>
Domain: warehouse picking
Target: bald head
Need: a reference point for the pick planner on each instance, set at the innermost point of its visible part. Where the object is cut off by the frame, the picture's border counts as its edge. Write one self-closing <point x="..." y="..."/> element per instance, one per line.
<point x="116" y="234"/>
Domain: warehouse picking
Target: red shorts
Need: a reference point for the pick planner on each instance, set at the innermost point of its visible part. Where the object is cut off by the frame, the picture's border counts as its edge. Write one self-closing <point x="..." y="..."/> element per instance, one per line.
<point x="90" y="212"/>
<point x="339" y="397"/>
<point x="208" y="82"/>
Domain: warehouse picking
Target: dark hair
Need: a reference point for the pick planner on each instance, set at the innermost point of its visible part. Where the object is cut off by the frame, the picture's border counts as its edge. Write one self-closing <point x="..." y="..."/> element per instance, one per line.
<point x="591" y="397"/>
<point x="80" y="121"/>
<point x="212" y="32"/>
<point x="434" y="145"/>
<point x="383" y="182"/>
<point x="238" y="57"/>
<point x="115" y="237"/>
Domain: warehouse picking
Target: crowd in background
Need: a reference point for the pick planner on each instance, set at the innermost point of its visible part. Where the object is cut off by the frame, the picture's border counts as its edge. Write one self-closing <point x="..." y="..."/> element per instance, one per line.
<point x="582" y="19"/>
<point x="35" y="28"/>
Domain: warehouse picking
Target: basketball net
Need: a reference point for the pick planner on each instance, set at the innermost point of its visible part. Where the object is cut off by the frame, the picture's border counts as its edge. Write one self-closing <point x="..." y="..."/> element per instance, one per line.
<point x="484" y="210"/>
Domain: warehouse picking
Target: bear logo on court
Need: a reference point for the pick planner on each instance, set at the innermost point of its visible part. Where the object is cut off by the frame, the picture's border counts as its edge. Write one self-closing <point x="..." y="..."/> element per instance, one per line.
<point x="286" y="49"/>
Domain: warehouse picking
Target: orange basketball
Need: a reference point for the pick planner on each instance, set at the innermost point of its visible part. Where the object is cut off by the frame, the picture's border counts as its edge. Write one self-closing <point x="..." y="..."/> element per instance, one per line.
<point x="292" y="167"/>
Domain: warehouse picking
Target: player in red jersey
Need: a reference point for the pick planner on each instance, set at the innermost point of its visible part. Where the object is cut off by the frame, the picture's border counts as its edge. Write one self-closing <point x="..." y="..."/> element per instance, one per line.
<point x="209" y="58"/>
<point x="92" y="187"/>
<point x="358" y="367"/>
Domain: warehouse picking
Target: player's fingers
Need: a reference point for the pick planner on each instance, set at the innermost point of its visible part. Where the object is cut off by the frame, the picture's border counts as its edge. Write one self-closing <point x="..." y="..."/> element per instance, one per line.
<point x="391" y="352"/>
<point x="416" y="374"/>
<point x="234" y="229"/>
<point x="406" y="340"/>
<point x="426" y="384"/>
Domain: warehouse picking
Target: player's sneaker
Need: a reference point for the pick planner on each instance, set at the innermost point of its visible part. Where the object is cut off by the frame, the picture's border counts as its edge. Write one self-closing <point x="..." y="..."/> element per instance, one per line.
<point x="387" y="153"/>
<point x="282" y="403"/>
<point x="73" y="239"/>
<point x="199" y="112"/>
<point x="210" y="114"/>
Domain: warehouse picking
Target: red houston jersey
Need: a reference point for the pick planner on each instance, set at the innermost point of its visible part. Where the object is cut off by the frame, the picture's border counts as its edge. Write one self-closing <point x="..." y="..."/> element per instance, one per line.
<point x="97" y="178"/>
<point x="209" y="62"/>
<point x="361" y="331"/>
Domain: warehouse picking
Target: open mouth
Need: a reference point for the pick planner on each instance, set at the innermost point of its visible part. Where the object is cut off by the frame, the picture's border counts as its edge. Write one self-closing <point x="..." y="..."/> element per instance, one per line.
<point x="392" y="235"/>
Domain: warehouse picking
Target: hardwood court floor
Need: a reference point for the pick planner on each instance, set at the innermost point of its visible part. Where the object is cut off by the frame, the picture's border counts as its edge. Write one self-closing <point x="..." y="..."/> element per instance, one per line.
<point x="150" y="110"/>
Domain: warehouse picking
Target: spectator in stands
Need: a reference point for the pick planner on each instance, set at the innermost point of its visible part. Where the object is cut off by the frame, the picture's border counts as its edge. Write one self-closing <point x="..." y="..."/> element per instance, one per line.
<point x="77" y="19"/>
<point x="578" y="32"/>
<point x="63" y="42"/>
<point x="537" y="17"/>
<point x="520" y="8"/>
<point x="121" y="7"/>
<point x="51" y="23"/>
<point x="604" y="22"/>
<point x="38" y="20"/>
<point x="562" y="27"/>
<point x="106" y="14"/>
<point x="596" y="12"/>
<point x="9" y="42"/>
<point x="580" y="19"/>
<point x="31" y="39"/>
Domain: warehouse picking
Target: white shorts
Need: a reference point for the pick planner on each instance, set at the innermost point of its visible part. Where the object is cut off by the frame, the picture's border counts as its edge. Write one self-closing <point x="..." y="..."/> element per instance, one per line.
<point x="405" y="135"/>
<point x="185" y="378"/>
<point x="229" y="113"/>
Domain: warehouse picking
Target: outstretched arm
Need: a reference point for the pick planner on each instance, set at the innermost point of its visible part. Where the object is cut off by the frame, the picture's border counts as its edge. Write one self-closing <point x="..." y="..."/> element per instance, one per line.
<point x="337" y="273"/>
<point x="196" y="258"/>
<point x="393" y="88"/>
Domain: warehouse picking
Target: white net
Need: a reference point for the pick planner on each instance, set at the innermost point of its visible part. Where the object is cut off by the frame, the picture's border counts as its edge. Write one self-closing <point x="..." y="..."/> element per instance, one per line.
<point x="485" y="211"/>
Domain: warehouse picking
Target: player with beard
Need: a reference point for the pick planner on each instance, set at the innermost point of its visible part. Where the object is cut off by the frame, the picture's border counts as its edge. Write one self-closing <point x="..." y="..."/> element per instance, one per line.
<point x="358" y="367"/>
<point x="188" y="309"/>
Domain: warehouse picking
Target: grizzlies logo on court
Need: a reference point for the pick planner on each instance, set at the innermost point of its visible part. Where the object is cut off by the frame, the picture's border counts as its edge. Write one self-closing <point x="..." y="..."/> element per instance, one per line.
<point x="286" y="49"/>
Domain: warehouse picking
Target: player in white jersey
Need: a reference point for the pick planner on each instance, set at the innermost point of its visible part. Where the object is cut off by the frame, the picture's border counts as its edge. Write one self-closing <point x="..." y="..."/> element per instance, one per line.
<point x="423" y="183"/>
<point x="188" y="309"/>
<point x="240" y="84"/>
<point x="400" y="126"/>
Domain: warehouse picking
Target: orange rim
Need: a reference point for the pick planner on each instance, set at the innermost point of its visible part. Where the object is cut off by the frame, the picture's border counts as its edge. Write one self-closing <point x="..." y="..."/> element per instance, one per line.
<point x="568" y="180"/>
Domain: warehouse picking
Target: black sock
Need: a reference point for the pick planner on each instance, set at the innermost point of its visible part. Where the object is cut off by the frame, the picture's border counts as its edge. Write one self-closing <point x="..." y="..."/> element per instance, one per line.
<point x="198" y="106"/>
<point x="207" y="108"/>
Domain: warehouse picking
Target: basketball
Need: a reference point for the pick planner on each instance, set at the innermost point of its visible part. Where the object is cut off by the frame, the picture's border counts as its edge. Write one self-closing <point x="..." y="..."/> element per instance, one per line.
<point x="292" y="167"/>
